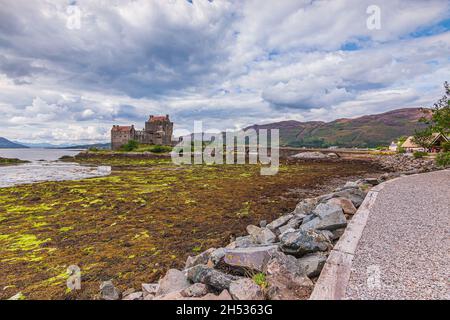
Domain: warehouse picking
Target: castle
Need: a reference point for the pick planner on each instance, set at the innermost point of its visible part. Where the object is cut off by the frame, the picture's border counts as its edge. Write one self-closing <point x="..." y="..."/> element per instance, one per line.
<point x="158" y="130"/>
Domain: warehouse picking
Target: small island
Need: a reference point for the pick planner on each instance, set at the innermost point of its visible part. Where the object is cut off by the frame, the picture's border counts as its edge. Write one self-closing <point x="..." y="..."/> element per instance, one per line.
<point x="10" y="161"/>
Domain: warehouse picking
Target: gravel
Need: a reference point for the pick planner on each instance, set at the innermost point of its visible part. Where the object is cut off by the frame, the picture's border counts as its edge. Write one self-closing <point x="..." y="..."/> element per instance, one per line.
<point x="404" y="250"/>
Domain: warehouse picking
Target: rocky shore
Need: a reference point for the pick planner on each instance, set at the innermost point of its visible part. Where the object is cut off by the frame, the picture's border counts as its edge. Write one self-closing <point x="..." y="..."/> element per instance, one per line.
<point x="276" y="260"/>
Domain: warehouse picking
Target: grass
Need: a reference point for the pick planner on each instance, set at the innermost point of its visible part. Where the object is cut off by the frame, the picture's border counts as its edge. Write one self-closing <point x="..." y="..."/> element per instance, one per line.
<point x="143" y="219"/>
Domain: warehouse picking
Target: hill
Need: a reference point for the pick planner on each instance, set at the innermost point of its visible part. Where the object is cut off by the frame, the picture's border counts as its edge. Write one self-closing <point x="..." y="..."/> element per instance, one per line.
<point x="365" y="131"/>
<point x="6" y="144"/>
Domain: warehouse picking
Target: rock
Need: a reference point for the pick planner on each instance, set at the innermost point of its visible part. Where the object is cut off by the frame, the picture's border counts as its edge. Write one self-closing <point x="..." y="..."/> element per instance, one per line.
<point x="216" y="256"/>
<point x="338" y="233"/>
<point x="261" y="235"/>
<point x="246" y="289"/>
<point x="202" y="258"/>
<point x="108" y="291"/>
<point x="312" y="264"/>
<point x="174" y="280"/>
<point x="275" y="224"/>
<point x="350" y="184"/>
<point x="253" y="258"/>
<point x="327" y="233"/>
<point x="196" y="290"/>
<point x="308" y="218"/>
<point x="309" y="155"/>
<point x="242" y="242"/>
<point x="331" y="217"/>
<point x="355" y="195"/>
<point x="149" y="288"/>
<point x="211" y="277"/>
<point x="224" y="295"/>
<point x="306" y="206"/>
<point x="285" y="279"/>
<point x="332" y="155"/>
<point x="128" y="292"/>
<point x="346" y="205"/>
<point x="301" y="242"/>
<point x="263" y="223"/>
<point x="134" y="296"/>
<point x="294" y="223"/>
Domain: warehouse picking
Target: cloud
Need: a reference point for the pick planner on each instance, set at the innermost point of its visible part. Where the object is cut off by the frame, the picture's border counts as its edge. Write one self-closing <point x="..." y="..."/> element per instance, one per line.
<point x="229" y="63"/>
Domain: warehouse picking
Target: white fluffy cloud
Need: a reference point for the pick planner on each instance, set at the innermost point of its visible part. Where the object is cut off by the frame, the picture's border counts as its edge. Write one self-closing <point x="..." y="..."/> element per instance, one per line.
<point x="228" y="63"/>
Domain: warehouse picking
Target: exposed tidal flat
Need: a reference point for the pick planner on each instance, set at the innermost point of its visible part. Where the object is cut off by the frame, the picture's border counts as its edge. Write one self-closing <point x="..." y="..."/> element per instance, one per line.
<point x="147" y="216"/>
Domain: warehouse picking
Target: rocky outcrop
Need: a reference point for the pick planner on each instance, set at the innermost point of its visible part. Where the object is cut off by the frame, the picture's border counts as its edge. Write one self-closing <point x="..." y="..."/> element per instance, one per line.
<point x="406" y="163"/>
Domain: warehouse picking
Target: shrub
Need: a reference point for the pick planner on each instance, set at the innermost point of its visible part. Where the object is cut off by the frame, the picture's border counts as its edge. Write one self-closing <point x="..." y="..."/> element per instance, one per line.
<point x="419" y="154"/>
<point x="401" y="150"/>
<point x="160" y="149"/>
<point x="443" y="159"/>
<point x="446" y="146"/>
<point x="260" y="280"/>
<point x="130" y="145"/>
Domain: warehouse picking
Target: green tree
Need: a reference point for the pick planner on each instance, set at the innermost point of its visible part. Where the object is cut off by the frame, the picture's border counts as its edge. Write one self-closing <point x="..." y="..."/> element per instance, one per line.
<point x="439" y="120"/>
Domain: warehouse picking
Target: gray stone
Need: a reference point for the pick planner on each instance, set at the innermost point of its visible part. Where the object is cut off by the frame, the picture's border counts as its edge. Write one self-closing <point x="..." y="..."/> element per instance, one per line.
<point x="149" y="288"/>
<point x="196" y="290"/>
<point x="306" y="206"/>
<point x="134" y="296"/>
<point x="301" y="242"/>
<point x="331" y="217"/>
<point x="217" y="255"/>
<point x="108" y="291"/>
<point x="261" y="235"/>
<point x="294" y="223"/>
<point x="355" y="195"/>
<point x="246" y="289"/>
<point x="253" y="258"/>
<point x="338" y="233"/>
<point x="263" y="223"/>
<point x="202" y="258"/>
<point x="209" y="276"/>
<point x="275" y="224"/>
<point x="281" y="262"/>
<point x="312" y="264"/>
<point x="345" y="204"/>
<point x="309" y="155"/>
<point x="242" y="242"/>
<point x="174" y="280"/>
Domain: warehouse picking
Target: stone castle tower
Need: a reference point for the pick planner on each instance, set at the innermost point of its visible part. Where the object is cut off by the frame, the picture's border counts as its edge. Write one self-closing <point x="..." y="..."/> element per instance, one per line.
<point x="158" y="130"/>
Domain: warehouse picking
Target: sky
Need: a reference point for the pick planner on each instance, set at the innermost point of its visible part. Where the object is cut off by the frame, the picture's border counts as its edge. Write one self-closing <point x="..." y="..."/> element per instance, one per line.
<point x="69" y="70"/>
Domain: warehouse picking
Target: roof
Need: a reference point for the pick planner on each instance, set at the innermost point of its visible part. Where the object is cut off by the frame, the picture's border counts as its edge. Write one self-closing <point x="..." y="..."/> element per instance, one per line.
<point x="122" y="128"/>
<point x="434" y="136"/>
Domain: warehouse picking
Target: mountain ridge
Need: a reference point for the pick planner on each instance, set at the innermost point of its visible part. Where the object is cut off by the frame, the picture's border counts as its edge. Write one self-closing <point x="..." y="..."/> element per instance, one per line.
<point x="364" y="131"/>
<point x="7" y="144"/>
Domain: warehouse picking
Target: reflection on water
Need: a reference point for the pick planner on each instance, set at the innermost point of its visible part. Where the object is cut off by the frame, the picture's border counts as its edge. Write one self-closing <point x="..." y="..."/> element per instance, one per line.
<point x="44" y="167"/>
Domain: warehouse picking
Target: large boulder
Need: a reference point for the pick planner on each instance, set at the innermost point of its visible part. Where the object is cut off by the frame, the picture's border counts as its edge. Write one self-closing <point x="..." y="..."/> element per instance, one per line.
<point x="253" y="258"/>
<point x="209" y="276"/>
<point x="261" y="235"/>
<point x="346" y="205"/>
<point x="312" y="264"/>
<point x="173" y="281"/>
<point x="246" y="289"/>
<point x="329" y="216"/>
<point x="202" y="258"/>
<point x="301" y="242"/>
<point x="108" y="291"/>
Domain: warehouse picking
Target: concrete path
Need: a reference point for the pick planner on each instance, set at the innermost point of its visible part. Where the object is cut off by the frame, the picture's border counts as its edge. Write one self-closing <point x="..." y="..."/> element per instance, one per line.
<point x="404" y="250"/>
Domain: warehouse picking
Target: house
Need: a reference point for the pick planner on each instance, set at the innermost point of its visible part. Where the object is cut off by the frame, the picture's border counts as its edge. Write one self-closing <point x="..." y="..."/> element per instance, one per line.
<point x="393" y="146"/>
<point x="435" y="144"/>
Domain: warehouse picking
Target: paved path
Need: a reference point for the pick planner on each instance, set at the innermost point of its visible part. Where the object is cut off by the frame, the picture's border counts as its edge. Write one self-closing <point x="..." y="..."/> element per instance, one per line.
<point x="404" y="249"/>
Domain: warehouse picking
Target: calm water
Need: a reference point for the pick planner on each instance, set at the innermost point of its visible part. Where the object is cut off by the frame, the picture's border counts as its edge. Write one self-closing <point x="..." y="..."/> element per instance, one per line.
<point x="44" y="166"/>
